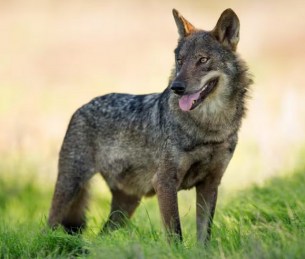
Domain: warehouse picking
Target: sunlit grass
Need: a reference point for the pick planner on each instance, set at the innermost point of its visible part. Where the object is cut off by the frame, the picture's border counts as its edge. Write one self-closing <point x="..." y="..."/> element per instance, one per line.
<point x="51" y="68"/>
<point x="265" y="221"/>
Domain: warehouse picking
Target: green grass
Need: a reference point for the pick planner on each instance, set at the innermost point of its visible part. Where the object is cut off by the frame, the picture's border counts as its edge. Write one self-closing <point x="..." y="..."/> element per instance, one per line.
<point x="259" y="222"/>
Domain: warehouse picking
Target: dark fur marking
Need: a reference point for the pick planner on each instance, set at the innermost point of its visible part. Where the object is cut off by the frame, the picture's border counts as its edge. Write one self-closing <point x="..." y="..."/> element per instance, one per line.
<point x="232" y="147"/>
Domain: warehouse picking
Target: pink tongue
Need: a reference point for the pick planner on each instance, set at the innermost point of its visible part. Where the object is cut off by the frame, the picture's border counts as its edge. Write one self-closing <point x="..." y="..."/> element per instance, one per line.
<point x="186" y="101"/>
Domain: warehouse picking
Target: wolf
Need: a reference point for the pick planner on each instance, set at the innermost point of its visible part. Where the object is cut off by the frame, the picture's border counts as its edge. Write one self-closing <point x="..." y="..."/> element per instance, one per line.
<point x="160" y="143"/>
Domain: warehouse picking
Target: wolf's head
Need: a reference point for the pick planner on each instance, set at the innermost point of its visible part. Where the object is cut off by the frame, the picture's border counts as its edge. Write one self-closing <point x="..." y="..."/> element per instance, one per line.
<point x="206" y="61"/>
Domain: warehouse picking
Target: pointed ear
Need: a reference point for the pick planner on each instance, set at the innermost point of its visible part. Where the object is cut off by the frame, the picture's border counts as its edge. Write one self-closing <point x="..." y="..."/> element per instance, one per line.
<point x="226" y="30"/>
<point x="185" y="28"/>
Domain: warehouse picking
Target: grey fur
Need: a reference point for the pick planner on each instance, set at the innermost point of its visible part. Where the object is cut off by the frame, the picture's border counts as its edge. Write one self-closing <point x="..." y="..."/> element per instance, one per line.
<point x="142" y="144"/>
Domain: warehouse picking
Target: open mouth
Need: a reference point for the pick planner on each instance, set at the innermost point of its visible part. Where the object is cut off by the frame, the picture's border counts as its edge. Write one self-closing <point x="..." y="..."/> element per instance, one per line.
<point x="190" y="102"/>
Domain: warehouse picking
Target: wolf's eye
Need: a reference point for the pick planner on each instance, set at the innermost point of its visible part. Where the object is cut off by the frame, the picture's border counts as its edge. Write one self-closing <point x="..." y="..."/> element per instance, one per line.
<point x="179" y="62"/>
<point x="203" y="60"/>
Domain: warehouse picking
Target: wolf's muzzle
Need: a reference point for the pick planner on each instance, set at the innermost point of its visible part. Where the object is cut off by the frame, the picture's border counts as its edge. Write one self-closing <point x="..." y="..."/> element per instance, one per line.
<point x="178" y="87"/>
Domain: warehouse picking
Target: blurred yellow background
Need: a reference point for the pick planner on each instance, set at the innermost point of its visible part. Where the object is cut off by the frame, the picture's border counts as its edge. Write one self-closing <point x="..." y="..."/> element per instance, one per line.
<point x="57" y="55"/>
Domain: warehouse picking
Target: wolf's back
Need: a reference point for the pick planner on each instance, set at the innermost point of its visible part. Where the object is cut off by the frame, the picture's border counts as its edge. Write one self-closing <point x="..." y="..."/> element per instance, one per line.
<point x="122" y="109"/>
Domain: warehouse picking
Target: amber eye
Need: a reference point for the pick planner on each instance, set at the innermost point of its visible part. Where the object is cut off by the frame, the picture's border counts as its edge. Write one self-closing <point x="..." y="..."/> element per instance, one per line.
<point x="179" y="62"/>
<point x="204" y="60"/>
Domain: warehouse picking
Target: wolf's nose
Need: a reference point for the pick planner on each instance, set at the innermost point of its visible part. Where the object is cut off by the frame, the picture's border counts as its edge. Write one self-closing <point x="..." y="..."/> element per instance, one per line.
<point x="178" y="87"/>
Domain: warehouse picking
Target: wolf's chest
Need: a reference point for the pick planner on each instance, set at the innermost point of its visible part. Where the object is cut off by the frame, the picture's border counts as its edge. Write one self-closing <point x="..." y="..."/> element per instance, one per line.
<point x="196" y="173"/>
<point x="204" y="161"/>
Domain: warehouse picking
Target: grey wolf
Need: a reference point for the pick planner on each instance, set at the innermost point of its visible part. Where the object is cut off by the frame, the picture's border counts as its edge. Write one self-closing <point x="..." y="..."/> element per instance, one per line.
<point x="160" y="143"/>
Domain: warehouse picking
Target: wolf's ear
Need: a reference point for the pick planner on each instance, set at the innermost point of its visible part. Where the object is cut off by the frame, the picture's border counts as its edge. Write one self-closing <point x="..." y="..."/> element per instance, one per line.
<point x="226" y="30"/>
<point x="185" y="28"/>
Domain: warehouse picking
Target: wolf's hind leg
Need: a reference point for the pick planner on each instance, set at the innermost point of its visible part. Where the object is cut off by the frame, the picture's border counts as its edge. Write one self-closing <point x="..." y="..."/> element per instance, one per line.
<point x="122" y="207"/>
<point x="76" y="167"/>
<point x="69" y="203"/>
<point x="75" y="219"/>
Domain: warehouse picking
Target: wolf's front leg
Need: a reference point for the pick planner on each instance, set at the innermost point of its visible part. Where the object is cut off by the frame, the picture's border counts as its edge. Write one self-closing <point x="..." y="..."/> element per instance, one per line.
<point x="165" y="185"/>
<point x="206" y="199"/>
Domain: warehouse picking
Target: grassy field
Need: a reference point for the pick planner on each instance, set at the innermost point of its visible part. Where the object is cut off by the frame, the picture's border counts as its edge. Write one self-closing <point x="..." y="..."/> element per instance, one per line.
<point x="82" y="49"/>
<point x="266" y="221"/>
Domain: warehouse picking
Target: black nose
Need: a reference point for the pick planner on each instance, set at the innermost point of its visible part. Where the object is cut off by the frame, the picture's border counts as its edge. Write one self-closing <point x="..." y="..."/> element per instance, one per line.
<point x="178" y="87"/>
